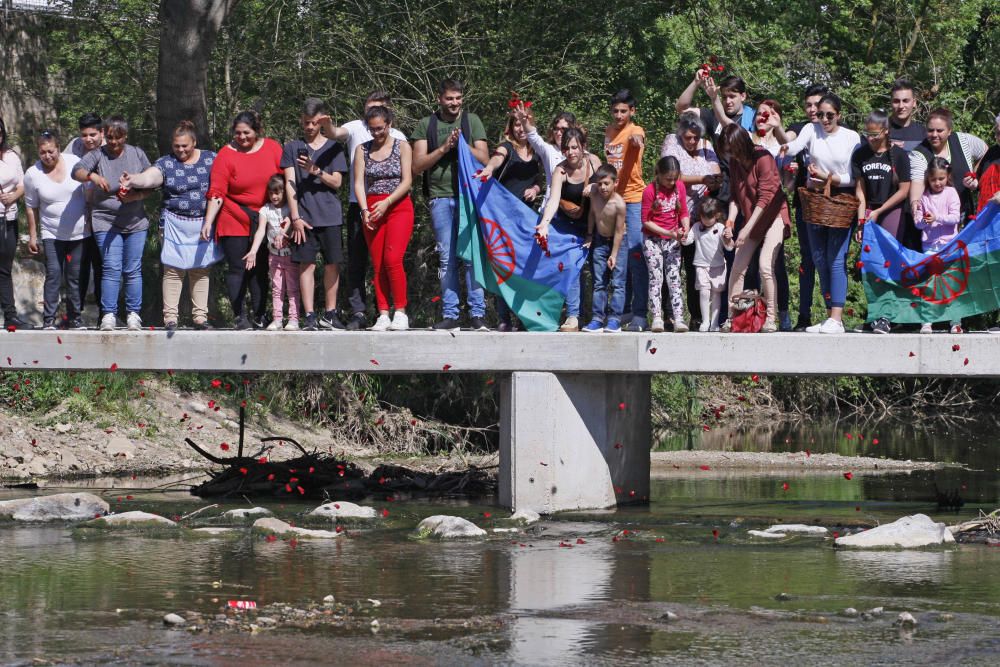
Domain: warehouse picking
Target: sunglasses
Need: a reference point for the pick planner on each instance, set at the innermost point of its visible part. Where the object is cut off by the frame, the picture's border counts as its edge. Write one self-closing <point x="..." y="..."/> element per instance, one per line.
<point x="874" y="135"/>
<point x="827" y="115"/>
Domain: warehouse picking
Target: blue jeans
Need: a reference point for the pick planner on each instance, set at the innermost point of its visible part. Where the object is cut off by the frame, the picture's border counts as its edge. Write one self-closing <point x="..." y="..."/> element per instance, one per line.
<point x="608" y="280"/>
<point x="121" y="254"/>
<point x="444" y="218"/>
<point x="807" y="272"/>
<point x="829" y="252"/>
<point x="638" y="275"/>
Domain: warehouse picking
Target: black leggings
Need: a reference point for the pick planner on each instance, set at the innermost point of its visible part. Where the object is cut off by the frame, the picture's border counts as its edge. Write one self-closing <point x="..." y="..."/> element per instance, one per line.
<point x="8" y="248"/>
<point x="238" y="278"/>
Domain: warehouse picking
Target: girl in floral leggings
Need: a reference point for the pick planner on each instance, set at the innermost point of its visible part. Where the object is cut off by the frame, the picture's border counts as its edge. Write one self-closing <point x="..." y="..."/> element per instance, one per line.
<point x="665" y="222"/>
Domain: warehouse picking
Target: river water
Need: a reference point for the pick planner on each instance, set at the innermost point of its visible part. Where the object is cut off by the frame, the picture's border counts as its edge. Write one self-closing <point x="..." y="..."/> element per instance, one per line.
<point x="72" y="598"/>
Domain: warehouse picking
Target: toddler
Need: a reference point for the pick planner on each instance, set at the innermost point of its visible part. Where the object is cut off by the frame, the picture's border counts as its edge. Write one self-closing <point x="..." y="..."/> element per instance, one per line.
<point x="665" y="221"/>
<point x="940" y="213"/>
<point x="273" y="223"/>
<point x="710" y="237"/>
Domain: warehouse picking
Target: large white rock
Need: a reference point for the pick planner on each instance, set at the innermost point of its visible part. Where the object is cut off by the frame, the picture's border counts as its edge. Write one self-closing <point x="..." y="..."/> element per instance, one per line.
<point x="135" y="518"/>
<point x="245" y="513"/>
<point x="279" y="527"/>
<point x="907" y="533"/>
<point x="344" y="510"/>
<point x="525" y="515"/>
<point x="446" y="527"/>
<point x="57" y="507"/>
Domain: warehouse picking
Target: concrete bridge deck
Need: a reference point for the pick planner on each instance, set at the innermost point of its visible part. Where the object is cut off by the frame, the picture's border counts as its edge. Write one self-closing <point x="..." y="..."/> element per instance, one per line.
<point x="424" y="351"/>
<point x="575" y="425"/>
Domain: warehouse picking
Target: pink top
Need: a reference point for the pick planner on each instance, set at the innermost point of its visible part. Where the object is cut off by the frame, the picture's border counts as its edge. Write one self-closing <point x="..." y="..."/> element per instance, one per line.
<point x="947" y="209"/>
<point x="664" y="209"/>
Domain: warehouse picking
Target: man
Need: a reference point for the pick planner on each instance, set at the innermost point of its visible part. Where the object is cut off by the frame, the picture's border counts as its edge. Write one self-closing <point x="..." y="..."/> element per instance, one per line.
<point x="91" y="128"/>
<point x="732" y="95"/>
<point x="903" y="130"/>
<point x="435" y="154"/>
<point x="353" y="134"/>
<point x="314" y="171"/>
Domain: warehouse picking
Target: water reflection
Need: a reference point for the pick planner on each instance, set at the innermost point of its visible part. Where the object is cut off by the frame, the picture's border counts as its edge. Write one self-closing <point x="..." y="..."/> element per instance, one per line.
<point x="898" y="568"/>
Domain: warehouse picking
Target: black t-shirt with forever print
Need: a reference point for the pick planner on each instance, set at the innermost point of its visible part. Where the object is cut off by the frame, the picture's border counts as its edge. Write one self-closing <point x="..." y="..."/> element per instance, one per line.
<point x="881" y="173"/>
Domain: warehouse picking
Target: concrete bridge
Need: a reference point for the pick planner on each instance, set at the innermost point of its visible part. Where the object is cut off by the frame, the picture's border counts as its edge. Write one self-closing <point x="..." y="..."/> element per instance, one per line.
<point x="574" y="409"/>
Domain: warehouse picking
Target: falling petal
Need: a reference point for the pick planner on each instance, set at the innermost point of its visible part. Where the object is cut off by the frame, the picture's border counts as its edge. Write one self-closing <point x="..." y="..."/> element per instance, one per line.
<point x="848" y="476"/>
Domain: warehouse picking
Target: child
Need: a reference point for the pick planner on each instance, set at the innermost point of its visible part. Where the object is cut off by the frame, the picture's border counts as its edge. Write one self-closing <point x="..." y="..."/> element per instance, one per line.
<point x="941" y="211"/>
<point x="608" y="256"/>
<point x="274" y="222"/>
<point x="665" y="221"/>
<point x="710" y="236"/>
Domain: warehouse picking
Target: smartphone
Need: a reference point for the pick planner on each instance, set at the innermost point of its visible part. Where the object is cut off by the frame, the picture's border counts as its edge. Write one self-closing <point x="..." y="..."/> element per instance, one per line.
<point x="303" y="152"/>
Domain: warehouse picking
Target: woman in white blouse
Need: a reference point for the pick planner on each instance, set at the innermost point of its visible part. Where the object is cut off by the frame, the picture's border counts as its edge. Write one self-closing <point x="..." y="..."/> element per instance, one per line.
<point x="11" y="190"/>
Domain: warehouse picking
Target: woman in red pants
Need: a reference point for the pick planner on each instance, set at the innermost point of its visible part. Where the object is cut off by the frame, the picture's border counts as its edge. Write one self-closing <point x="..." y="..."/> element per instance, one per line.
<point x="382" y="180"/>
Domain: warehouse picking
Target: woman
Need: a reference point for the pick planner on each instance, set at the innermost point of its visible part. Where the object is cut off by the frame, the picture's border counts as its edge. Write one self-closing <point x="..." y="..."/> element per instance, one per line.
<point x="56" y="202"/>
<point x="882" y="173"/>
<point x="520" y="171"/>
<point x="237" y="189"/>
<point x="755" y="186"/>
<point x="988" y="172"/>
<point x="550" y="152"/>
<point x="830" y="150"/>
<point x="383" y="176"/>
<point x="701" y="175"/>
<point x="119" y="222"/>
<point x="11" y="189"/>
<point x="568" y="205"/>
<point x="184" y="178"/>
<point x="962" y="151"/>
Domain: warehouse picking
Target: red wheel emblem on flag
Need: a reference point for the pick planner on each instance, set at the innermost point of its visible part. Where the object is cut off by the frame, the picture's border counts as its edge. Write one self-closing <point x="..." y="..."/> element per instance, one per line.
<point x="941" y="278"/>
<point x="499" y="248"/>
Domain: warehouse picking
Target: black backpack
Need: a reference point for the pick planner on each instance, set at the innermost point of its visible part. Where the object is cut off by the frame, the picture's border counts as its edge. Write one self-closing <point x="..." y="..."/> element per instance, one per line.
<point x="432" y="145"/>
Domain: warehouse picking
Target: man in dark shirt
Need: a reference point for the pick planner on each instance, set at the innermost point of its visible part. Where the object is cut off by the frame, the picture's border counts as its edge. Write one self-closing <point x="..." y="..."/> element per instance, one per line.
<point x="903" y="130"/>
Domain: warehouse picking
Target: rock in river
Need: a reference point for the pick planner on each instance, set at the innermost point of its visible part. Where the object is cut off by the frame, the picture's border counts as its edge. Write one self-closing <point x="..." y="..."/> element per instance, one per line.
<point x="344" y="510"/>
<point x="272" y="526"/>
<point x="57" y="507"/>
<point x="444" y="526"/>
<point x="909" y="532"/>
<point x="135" y="520"/>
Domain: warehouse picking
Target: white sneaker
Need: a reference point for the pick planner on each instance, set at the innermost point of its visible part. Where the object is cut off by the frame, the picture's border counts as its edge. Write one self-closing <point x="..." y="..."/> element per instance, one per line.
<point x="108" y="322"/>
<point x="815" y="327"/>
<point x="293" y="325"/>
<point x="400" y="322"/>
<point x="275" y="325"/>
<point x="831" y="326"/>
<point x="926" y="328"/>
<point x="680" y="327"/>
<point x="658" y="325"/>
<point x="133" y="322"/>
<point x="705" y="327"/>
<point x="383" y="323"/>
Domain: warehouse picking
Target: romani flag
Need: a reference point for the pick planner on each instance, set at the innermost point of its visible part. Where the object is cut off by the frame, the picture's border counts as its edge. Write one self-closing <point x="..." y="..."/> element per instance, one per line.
<point x="496" y="236"/>
<point x="909" y="287"/>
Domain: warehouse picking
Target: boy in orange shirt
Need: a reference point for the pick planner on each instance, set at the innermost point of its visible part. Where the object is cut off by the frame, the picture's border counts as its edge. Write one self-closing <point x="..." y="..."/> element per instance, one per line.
<point x="624" y="143"/>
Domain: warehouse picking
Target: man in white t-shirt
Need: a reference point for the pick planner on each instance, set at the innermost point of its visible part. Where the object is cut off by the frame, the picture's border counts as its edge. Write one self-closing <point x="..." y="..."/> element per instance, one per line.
<point x="353" y="134"/>
<point x="91" y="137"/>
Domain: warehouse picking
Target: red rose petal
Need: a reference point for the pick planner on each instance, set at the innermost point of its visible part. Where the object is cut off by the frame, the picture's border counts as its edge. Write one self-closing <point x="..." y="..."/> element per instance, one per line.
<point x="848" y="476"/>
<point x="705" y="467"/>
<point x="621" y="406"/>
<point x="216" y="384"/>
<point x="435" y="299"/>
<point x="874" y="441"/>
<point x="113" y="367"/>
<point x="373" y="362"/>
<point x="224" y="446"/>
<point x="385" y="512"/>
<point x="446" y="367"/>
<point x="956" y="347"/>
<point x="966" y="362"/>
<point x="912" y="355"/>
<point x="715" y="533"/>
<point x="487" y="515"/>
<point x="59" y="339"/>
<point x="784" y="486"/>
<point x="652" y="350"/>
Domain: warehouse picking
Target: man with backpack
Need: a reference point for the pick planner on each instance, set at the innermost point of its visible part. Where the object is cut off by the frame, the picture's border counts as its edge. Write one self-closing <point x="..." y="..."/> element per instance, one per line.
<point x="435" y="155"/>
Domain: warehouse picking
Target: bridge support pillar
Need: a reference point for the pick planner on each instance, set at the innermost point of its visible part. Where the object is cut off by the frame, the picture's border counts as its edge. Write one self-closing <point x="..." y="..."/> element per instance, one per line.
<point x="571" y="441"/>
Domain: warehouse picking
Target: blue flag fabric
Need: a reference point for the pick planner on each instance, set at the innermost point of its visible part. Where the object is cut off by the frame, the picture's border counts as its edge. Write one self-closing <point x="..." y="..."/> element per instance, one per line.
<point x="496" y="236"/>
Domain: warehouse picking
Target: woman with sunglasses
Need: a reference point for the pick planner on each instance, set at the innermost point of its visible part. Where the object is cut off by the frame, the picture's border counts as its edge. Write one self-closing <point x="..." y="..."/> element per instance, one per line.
<point x="549" y="151"/>
<point x="830" y="150"/>
<point x="11" y="190"/>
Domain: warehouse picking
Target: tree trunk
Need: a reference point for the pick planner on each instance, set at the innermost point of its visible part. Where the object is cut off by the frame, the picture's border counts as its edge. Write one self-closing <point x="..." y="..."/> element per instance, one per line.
<point x="188" y="31"/>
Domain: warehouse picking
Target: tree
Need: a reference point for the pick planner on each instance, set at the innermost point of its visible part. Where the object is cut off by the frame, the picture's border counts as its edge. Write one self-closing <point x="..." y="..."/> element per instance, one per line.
<point x="188" y="32"/>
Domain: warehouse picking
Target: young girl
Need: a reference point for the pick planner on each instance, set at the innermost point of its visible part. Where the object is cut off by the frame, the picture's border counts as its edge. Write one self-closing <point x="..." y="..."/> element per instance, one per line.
<point x="665" y="221"/>
<point x="274" y="222"/>
<point x="710" y="237"/>
<point x="940" y="213"/>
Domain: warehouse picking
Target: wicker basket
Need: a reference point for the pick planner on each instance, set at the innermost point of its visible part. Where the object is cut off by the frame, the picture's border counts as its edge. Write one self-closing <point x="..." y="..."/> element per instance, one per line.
<point x="822" y="208"/>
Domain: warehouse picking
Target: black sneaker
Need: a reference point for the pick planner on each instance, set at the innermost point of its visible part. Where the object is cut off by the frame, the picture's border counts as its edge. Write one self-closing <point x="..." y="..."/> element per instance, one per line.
<point x="478" y="324"/>
<point x="261" y="322"/>
<point x="17" y="322"/>
<point x="801" y="325"/>
<point x="447" y="324"/>
<point x="170" y="326"/>
<point x="243" y="324"/>
<point x="358" y="322"/>
<point x="49" y="324"/>
<point x="330" y="320"/>
<point x="77" y="323"/>
<point x="881" y="326"/>
<point x="309" y="322"/>
<point x="201" y="326"/>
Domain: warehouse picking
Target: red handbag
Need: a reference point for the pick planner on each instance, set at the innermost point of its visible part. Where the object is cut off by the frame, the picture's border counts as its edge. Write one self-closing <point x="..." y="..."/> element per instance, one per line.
<point x="748" y="312"/>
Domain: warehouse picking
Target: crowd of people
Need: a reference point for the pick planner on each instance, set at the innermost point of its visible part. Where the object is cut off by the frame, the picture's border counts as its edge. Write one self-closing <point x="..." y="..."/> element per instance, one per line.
<point x="710" y="222"/>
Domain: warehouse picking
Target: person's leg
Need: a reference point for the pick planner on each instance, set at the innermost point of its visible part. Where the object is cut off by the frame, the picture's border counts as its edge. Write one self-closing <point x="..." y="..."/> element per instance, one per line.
<point x="331" y="243"/>
<point x="637" y="266"/>
<point x="705" y="306"/>
<point x="133" y="246"/>
<point x="653" y="253"/>
<point x="8" y="249"/>
<point x="398" y="234"/>
<point x="599" y="253"/>
<point x="781" y="282"/>
<point x="838" y="243"/>
<point x="173" y="285"/>
<point x="672" y="267"/>
<point x="691" y="292"/>
<point x="770" y="250"/>
<point x="233" y="249"/>
<point x="292" y="288"/>
<point x="91" y="269"/>
<point x="817" y="242"/>
<point x="617" y="289"/>
<point x="376" y="239"/>
<point x="714" y="309"/>
<point x="807" y="270"/>
<point x="741" y="260"/>
<point x="53" y="279"/>
<point x="357" y="261"/>
<point x="442" y="219"/>
<point x="73" y="252"/>
<point x="199" y="281"/>
<point x="475" y="293"/>
<point x="259" y="283"/>
<point x="279" y="285"/>
<point x="307" y="286"/>
<point x="112" y="247"/>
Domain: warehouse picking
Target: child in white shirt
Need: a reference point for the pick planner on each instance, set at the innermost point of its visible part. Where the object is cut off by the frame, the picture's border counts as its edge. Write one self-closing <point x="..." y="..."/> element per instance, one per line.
<point x="710" y="237"/>
<point x="273" y="223"/>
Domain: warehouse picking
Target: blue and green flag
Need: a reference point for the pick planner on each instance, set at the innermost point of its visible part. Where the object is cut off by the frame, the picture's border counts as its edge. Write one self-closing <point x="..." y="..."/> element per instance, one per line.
<point x="496" y="236"/>
<point x="908" y="287"/>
